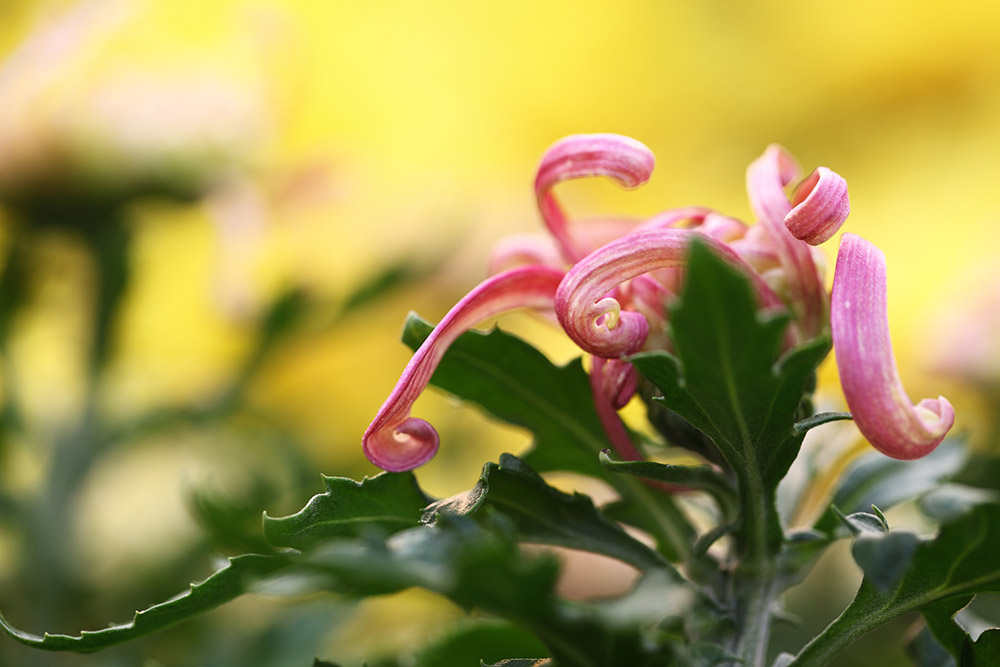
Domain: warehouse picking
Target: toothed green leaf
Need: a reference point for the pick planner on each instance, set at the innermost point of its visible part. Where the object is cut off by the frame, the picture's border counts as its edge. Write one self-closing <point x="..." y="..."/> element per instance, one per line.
<point x="230" y="582"/>
<point x="387" y="502"/>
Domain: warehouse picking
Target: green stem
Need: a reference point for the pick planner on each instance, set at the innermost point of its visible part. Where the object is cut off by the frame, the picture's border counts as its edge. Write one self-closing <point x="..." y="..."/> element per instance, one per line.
<point x="77" y="447"/>
<point x="755" y="584"/>
<point x="756" y="597"/>
<point x="108" y="244"/>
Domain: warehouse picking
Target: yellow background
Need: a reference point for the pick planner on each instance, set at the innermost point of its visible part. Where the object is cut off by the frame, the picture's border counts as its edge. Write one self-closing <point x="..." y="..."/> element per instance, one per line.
<point x="426" y="121"/>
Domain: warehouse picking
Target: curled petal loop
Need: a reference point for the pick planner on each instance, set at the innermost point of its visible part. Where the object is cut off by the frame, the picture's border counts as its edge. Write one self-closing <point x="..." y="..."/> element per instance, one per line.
<point x="395" y="441"/>
<point x="820" y="207"/>
<point x="872" y="387"/>
<point x="583" y="304"/>
<point x="622" y="159"/>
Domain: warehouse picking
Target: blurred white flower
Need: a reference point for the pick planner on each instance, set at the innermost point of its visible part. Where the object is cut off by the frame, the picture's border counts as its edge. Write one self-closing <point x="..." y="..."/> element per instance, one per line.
<point x="71" y="132"/>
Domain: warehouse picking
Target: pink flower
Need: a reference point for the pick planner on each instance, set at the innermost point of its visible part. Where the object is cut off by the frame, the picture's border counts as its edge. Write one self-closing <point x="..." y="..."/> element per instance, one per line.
<point x="874" y="392"/>
<point x="609" y="282"/>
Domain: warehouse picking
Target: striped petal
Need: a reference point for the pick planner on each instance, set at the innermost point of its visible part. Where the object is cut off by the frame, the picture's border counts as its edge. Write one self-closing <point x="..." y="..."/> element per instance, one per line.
<point x="596" y="321"/>
<point x="767" y="178"/>
<point x="622" y="159"/>
<point x="875" y="395"/>
<point x="395" y="441"/>
<point x="820" y="207"/>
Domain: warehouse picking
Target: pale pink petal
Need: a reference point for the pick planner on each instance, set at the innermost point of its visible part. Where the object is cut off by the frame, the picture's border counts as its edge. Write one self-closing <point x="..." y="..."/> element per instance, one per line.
<point x="767" y="177"/>
<point x="596" y="321"/>
<point x="874" y="392"/>
<point x="722" y="227"/>
<point x="395" y="441"/>
<point x="522" y="250"/>
<point x="820" y="207"/>
<point x="591" y="234"/>
<point x="690" y="216"/>
<point x="757" y="249"/>
<point x="621" y="159"/>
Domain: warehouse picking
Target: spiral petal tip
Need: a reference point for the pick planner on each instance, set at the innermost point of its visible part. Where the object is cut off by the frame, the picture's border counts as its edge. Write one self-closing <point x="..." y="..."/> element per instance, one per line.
<point x="412" y="443"/>
<point x="820" y="206"/>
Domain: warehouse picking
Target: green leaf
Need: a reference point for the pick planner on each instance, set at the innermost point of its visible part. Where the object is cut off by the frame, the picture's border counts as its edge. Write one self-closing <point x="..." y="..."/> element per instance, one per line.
<point x="386" y="503"/>
<point x="484" y="640"/>
<point x="728" y="382"/>
<point x="516" y="383"/>
<point x="809" y="423"/>
<point x="954" y="635"/>
<point x="702" y="478"/>
<point x="961" y="560"/>
<point x="940" y="618"/>
<point x="884" y="557"/>
<point x="943" y="574"/>
<point x="477" y="565"/>
<point x="953" y="500"/>
<point x="230" y="582"/>
<point x="985" y="651"/>
<point x="546" y="515"/>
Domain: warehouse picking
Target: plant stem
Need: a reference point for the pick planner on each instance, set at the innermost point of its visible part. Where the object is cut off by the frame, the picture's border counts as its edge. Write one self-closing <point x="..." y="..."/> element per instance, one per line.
<point x="755" y="598"/>
<point x="76" y="447"/>
<point x="755" y="580"/>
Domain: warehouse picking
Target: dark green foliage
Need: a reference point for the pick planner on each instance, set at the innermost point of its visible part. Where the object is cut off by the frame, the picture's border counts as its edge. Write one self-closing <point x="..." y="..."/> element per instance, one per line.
<point x="545" y="515"/>
<point x="727" y="381"/>
<point x="516" y="383"/>
<point x="385" y="503"/>
<point x="228" y="583"/>
<point x="937" y="576"/>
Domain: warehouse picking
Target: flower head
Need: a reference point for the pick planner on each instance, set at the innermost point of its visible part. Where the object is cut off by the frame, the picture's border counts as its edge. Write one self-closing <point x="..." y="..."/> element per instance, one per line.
<point x="609" y="283"/>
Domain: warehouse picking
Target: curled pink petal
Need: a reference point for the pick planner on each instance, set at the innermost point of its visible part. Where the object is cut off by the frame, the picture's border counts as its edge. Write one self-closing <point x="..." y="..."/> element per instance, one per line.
<point x="395" y="441"/>
<point x="609" y="371"/>
<point x="618" y="380"/>
<point x="595" y="321"/>
<point x="767" y="177"/>
<point x="605" y="372"/>
<point x="868" y="373"/>
<point x="820" y="207"/>
<point x="649" y="295"/>
<point x="622" y="159"/>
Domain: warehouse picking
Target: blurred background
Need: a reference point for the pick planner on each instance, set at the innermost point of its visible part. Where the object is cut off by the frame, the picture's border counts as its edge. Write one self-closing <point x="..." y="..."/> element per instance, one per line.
<point x="215" y="216"/>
